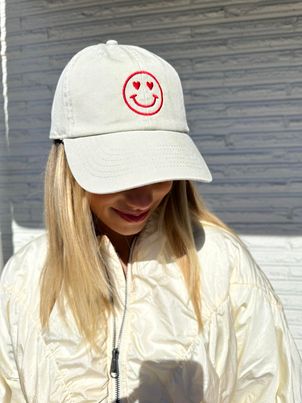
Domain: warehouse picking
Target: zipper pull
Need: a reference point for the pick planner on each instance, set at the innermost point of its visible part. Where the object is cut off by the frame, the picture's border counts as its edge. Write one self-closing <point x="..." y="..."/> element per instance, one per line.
<point x="114" y="370"/>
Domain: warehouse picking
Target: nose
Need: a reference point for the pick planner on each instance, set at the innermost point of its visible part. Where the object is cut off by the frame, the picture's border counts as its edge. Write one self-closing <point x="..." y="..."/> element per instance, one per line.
<point x="140" y="198"/>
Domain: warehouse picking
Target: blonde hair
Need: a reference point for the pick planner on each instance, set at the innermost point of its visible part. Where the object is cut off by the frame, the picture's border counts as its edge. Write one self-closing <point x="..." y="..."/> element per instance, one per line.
<point x="75" y="266"/>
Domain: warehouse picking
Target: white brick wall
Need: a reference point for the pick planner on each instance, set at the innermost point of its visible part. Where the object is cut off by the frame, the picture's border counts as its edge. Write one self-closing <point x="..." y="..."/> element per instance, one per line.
<point x="280" y="258"/>
<point x="240" y="63"/>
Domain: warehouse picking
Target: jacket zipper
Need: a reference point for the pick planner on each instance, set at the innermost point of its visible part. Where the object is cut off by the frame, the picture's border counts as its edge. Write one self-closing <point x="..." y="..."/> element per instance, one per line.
<point x="114" y="367"/>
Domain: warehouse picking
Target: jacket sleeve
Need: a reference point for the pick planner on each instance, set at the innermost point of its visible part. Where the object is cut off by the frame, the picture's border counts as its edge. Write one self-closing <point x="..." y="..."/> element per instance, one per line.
<point x="5" y="392"/>
<point x="269" y="368"/>
<point x="10" y="388"/>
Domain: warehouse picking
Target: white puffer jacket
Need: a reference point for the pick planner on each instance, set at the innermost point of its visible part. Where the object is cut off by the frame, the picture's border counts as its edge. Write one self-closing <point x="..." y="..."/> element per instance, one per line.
<point x="245" y="353"/>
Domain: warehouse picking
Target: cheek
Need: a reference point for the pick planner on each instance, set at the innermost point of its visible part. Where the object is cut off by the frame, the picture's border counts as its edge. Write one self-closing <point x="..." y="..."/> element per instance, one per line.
<point x="163" y="190"/>
<point x="99" y="203"/>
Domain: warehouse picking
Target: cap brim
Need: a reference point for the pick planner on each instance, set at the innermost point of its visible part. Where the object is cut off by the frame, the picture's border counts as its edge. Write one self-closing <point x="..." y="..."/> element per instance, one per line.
<point x="114" y="162"/>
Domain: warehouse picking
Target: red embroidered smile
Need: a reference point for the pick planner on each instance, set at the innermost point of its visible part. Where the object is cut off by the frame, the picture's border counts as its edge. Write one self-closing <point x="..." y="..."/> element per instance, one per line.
<point x="155" y="97"/>
<point x="139" y="91"/>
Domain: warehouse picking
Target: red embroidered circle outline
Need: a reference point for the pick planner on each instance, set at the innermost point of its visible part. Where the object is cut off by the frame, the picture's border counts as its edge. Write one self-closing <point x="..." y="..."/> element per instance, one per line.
<point x="154" y="96"/>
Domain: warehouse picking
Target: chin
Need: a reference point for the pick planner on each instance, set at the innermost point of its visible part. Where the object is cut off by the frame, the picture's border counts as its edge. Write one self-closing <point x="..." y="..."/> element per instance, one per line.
<point x="132" y="231"/>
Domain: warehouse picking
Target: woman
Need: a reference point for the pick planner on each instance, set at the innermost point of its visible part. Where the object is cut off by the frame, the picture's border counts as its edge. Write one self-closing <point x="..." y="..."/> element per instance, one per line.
<point x="137" y="292"/>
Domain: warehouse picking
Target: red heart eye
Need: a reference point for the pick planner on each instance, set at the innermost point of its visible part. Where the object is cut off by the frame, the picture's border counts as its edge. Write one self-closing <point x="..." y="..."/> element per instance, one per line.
<point x="150" y="85"/>
<point x="136" y="84"/>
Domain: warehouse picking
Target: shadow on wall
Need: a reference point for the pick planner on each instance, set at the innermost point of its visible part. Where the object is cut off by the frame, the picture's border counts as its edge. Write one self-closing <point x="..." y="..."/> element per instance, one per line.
<point x="31" y="81"/>
<point x="6" y="247"/>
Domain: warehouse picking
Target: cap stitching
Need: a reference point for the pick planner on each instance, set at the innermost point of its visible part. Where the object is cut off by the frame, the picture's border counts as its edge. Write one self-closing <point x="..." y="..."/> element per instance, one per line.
<point x="66" y="86"/>
<point x="67" y="94"/>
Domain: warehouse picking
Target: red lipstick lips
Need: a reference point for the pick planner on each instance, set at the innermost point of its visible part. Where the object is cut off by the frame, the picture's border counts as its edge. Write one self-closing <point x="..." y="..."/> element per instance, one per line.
<point x="132" y="218"/>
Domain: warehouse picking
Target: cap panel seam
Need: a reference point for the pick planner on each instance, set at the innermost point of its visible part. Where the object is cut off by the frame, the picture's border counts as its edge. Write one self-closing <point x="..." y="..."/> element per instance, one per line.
<point x="100" y="51"/>
<point x="67" y="95"/>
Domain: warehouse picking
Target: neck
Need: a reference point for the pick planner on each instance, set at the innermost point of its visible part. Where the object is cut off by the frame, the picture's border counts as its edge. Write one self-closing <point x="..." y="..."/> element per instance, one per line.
<point x="122" y="246"/>
<point x="121" y="243"/>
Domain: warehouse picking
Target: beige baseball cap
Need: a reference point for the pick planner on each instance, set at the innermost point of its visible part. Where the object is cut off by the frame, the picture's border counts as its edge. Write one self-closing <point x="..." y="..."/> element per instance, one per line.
<point x="119" y="110"/>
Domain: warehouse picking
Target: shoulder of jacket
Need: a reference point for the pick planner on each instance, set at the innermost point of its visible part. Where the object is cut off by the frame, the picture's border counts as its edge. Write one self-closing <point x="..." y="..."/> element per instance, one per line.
<point x="25" y="266"/>
<point x="230" y="250"/>
<point x="232" y="262"/>
<point x="211" y="238"/>
<point x="217" y="250"/>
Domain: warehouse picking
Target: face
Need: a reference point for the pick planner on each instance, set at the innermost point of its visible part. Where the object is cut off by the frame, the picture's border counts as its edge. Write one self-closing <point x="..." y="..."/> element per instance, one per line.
<point x="127" y="212"/>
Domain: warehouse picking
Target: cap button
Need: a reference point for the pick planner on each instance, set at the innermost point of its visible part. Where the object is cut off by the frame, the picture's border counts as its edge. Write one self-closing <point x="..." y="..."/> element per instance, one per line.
<point x="111" y="42"/>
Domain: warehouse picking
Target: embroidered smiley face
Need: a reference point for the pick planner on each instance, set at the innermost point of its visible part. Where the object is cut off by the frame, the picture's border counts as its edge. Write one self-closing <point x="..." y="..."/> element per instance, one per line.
<point x="142" y="93"/>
